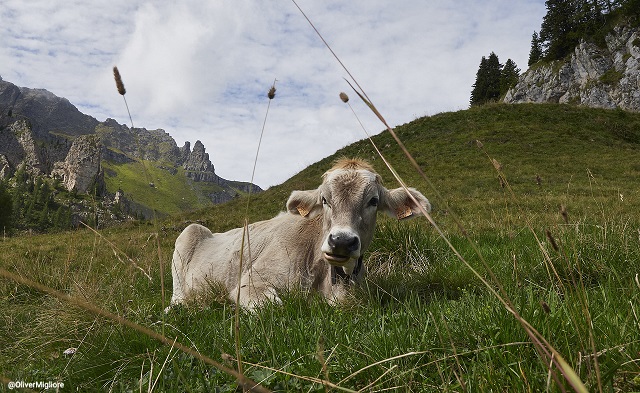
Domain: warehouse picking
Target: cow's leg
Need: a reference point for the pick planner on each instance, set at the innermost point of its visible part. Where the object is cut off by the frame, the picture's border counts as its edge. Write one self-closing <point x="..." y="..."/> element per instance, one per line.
<point x="177" y="296"/>
<point x="335" y="294"/>
<point x="254" y="292"/>
<point x="185" y="246"/>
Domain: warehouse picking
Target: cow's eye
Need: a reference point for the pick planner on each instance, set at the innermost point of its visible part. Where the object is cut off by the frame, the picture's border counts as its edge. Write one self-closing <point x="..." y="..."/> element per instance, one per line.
<point x="374" y="201"/>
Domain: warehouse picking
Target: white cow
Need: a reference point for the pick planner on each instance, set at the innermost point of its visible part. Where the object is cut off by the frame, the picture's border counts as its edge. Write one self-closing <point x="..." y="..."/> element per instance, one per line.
<point x="317" y="244"/>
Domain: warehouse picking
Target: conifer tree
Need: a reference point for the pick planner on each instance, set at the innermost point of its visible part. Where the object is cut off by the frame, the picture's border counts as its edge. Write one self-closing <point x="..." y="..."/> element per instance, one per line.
<point x="43" y="219"/>
<point x="568" y="21"/>
<point x="31" y="207"/>
<point x="45" y="192"/>
<point x="494" y="77"/>
<point x="631" y="7"/>
<point x="557" y="27"/>
<point x="487" y="86"/>
<point x="62" y="218"/>
<point x="509" y="76"/>
<point x="479" y="88"/>
<point x="6" y="208"/>
<point x="57" y="218"/>
<point x="535" y="54"/>
<point x="37" y="186"/>
<point x="587" y="18"/>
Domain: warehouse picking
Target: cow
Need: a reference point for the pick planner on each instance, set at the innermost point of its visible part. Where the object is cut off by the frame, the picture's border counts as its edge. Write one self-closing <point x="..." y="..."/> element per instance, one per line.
<point x="317" y="244"/>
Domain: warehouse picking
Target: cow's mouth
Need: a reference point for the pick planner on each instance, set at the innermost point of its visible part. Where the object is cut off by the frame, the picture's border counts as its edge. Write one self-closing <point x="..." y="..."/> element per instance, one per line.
<point x="336" y="258"/>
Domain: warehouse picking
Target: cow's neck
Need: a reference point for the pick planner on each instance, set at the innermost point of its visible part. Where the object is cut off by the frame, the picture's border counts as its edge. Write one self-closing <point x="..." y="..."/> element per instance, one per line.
<point x="338" y="273"/>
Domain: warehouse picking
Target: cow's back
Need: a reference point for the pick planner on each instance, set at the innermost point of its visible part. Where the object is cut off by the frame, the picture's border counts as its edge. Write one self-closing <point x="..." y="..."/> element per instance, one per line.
<point x="209" y="257"/>
<point x="282" y="253"/>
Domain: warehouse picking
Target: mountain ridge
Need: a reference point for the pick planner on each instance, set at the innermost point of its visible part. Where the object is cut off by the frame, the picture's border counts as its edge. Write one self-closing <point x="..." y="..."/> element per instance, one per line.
<point x="49" y="136"/>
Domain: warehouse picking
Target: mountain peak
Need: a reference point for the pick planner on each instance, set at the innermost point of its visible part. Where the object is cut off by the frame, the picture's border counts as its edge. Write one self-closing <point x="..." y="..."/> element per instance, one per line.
<point x="198" y="166"/>
<point x="199" y="147"/>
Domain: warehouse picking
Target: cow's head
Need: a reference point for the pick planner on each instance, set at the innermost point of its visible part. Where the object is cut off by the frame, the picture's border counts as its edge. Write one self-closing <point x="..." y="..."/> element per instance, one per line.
<point x="349" y="198"/>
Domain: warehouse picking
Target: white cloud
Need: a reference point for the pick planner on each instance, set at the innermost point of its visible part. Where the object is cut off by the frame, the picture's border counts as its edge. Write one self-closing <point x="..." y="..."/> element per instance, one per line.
<point x="201" y="70"/>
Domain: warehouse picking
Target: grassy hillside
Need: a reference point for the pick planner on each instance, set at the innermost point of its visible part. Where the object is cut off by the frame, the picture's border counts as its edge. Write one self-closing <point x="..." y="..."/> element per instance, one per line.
<point x="582" y="157"/>
<point x="152" y="185"/>
<point x="422" y="321"/>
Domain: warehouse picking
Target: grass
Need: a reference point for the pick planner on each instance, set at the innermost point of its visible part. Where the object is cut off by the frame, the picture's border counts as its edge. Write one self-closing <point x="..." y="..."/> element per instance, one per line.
<point x="171" y="191"/>
<point x="611" y="77"/>
<point x="162" y="195"/>
<point x="421" y="321"/>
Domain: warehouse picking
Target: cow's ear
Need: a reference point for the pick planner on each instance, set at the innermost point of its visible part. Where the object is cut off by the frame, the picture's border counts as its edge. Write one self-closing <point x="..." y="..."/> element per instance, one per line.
<point x="304" y="203"/>
<point x="397" y="203"/>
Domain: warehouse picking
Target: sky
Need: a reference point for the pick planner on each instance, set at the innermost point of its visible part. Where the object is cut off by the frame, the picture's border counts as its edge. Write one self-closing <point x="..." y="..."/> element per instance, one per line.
<point x="201" y="69"/>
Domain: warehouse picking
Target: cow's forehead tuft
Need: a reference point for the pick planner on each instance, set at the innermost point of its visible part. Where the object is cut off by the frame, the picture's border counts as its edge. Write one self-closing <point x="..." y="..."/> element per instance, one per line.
<point x="350" y="181"/>
<point x="351" y="164"/>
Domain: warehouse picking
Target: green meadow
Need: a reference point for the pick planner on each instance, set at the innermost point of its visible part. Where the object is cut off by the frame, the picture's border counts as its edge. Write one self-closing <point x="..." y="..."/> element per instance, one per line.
<point x="536" y="209"/>
<point x="149" y="184"/>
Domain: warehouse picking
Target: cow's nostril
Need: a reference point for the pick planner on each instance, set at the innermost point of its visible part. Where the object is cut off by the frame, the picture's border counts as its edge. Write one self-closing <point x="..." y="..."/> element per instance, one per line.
<point x="343" y="243"/>
<point x="354" y="244"/>
<point x="332" y="240"/>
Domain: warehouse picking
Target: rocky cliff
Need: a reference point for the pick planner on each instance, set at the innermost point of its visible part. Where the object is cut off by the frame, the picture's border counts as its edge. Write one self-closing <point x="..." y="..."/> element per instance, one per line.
<point x="17" y="147"/>
<point x="605" y="76"/>
<point x="197" y="164"/>
<point x="81" y="168"/>
<point x="199" y="168"/>
<point x="140" y="143"/>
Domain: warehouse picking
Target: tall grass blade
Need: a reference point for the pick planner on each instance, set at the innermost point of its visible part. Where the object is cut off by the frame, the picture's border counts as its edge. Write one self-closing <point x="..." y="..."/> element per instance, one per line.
<point x="245" y="233"/>
<point x="302" y="377"/>
<point x="245" y="382"/>
<point x="117" y="251"/>
<point x="543" y="347"/>
<point x="122" y="91"/>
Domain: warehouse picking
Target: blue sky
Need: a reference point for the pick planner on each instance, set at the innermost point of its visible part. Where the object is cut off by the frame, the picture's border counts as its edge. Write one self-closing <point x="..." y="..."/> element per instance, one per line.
<point x="201" y="69"/>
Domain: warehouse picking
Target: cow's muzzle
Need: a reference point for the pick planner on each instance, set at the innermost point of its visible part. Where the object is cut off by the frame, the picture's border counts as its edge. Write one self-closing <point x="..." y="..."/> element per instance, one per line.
<point x="341" y="247"/>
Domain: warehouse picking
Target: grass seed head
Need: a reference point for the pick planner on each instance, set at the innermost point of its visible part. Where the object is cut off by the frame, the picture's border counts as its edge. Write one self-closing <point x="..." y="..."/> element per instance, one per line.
<point x="552" y="240"/>
<point x="565" y="214"/>
<point x="344" y="97"/>
<point x="496" y="164"/>
<point x="119" y="83"/>
<point x="272" y="92"/>
<point x="545" y="307"/>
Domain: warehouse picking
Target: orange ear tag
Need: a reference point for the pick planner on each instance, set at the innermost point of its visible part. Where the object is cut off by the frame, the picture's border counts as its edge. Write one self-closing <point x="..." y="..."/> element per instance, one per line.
<point x="403" y="212"/>
<point x="302" y="210"/>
